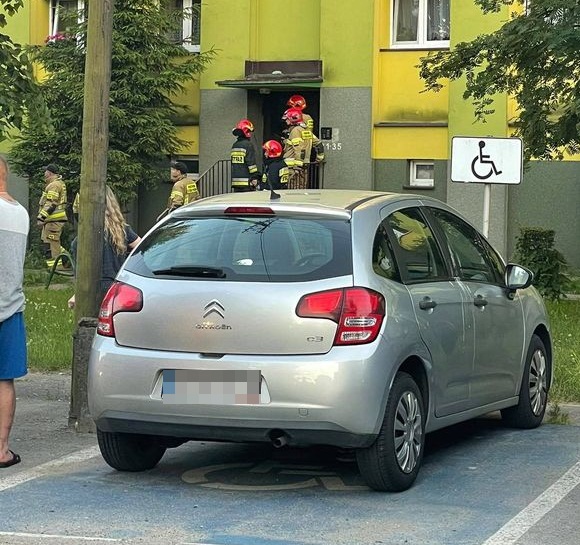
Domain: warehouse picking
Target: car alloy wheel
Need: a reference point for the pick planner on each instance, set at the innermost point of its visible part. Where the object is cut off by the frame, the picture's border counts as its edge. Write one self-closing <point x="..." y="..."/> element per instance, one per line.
<point x="408" y="431"/>
<point x="393" y="461"/>
<point x="538" y="381"/>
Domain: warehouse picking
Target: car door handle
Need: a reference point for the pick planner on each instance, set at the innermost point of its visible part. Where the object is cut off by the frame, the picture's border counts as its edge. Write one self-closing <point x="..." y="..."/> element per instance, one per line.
<point x="427" y="304"/>
<point x="480" y="301"/>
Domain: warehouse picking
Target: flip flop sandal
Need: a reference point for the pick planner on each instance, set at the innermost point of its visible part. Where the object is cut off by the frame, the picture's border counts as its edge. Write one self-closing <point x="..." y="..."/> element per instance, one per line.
<point x="15" y="460"/>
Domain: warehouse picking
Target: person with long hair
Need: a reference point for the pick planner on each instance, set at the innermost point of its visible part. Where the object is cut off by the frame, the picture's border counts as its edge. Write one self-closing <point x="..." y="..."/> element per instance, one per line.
<point x="120" y="239"/>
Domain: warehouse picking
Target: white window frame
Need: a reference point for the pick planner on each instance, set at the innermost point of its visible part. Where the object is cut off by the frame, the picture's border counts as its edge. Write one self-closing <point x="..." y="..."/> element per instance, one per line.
<point x="414" y="180"/>
<point x="421" y="42"/>
<point x="188" y="26"/>
<point x="53" y="15"/>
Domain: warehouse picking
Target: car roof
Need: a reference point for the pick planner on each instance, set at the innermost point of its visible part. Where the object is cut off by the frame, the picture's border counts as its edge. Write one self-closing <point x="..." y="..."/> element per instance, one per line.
<point x="327" y="200"/>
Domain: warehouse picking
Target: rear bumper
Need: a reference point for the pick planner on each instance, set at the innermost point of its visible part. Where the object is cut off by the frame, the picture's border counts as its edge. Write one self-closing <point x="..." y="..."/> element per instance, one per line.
<point x="336" y="398"/>
<point x="135" y="423"/>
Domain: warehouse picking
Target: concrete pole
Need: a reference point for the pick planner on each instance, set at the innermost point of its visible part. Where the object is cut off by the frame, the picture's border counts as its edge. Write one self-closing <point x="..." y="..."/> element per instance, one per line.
<point x="92" y="196"/>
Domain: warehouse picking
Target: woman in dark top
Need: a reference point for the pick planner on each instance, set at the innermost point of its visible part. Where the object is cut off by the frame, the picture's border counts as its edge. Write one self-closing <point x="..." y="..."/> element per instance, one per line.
<point x="120" y="239"/>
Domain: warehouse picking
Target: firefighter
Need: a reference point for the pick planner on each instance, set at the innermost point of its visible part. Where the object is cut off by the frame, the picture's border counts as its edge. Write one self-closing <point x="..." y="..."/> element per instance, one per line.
<point x="276" y="171"/>
<point x="298" y="147"/>
<point x="184" y="189"/>
<point x="245" y="173"/>
<point x="298" y="101"/>
<point x="52" y="214"/>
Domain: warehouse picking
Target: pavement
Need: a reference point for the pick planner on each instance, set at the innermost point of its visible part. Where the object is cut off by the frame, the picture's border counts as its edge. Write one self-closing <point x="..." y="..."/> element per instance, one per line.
<point x="41" y="431"/>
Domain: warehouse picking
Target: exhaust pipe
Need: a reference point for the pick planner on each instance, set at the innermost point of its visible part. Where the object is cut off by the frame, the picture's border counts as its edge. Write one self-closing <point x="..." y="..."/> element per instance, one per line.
<point x="278" y="438"/>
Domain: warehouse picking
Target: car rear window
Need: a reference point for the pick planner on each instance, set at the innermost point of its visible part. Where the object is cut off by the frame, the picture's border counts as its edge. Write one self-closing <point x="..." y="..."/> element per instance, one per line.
<point x="238" y="248"/>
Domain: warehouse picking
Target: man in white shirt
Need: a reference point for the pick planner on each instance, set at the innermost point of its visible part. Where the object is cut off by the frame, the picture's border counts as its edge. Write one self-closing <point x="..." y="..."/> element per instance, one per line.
<point x="14" y="225"/>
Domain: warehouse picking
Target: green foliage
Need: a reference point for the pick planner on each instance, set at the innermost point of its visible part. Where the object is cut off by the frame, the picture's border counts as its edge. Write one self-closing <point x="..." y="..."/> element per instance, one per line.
<point x="19" y="94"/>
<point x="148" y="70"/>
<point x="535" y="250"/>
<point x="535" y="58"/>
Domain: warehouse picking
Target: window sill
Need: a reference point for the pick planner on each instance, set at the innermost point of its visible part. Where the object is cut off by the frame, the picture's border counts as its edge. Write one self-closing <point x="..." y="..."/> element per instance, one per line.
<point x="419" y="187"/>
<point x="416" y="47"/>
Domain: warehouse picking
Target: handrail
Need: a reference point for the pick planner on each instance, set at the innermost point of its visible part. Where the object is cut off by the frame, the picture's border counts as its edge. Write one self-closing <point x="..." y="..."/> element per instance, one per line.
<point x="216" y="179"/>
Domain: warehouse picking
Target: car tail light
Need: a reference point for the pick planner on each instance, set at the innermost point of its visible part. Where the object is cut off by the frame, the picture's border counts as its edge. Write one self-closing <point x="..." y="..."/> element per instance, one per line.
<point x="359" y="313"/>
<point x="119" y="298"/>
<point x="249" y="210"/>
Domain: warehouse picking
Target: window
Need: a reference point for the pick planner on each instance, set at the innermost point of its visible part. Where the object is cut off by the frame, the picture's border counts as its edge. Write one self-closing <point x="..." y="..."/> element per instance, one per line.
<point x="422" y="174"/>
<point x="383" y="257"/>
<point x="189" y="34"/>
<point x="473" y="257"/>
<point x="418" y="255"/>
<point x="421" y="23"/>
<point x="241" y="248"/>
<point x="61" y="12"/>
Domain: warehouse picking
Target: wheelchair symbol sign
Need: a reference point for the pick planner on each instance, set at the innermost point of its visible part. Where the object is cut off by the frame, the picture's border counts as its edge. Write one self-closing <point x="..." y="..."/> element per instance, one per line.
<point x="486" y="160"/>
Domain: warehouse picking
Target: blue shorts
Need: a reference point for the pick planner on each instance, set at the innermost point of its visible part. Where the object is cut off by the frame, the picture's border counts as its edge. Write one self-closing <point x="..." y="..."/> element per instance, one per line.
<point x="12" y="347"/>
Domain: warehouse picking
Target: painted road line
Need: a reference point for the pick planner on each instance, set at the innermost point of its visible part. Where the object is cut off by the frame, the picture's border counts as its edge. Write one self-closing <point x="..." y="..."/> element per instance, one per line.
<point x="513" y="530"/>
<point x="58" y="536"/>
<point x="43" y="469"/>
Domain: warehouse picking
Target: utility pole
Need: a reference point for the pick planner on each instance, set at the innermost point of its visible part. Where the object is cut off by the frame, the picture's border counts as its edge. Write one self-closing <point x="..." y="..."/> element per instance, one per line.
<point x="91" y="200"/>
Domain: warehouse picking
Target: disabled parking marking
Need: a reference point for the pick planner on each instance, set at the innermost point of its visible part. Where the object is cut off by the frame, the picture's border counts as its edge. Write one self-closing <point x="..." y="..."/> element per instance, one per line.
<point x="40" y="471"/>
<point x="319" y="477"/>
<point x="513" y="530"/>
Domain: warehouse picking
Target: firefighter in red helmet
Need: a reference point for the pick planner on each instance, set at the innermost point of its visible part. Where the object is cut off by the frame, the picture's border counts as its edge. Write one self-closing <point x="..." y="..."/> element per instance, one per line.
<point x="298" y="147"/>
<point x="298" y="101"/>
<point x="276" y="172"/>
<point x="245" y="173"/>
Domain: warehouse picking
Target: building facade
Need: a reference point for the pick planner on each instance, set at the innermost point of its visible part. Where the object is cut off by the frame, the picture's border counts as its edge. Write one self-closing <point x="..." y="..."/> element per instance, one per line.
<point x="356" y="65"/>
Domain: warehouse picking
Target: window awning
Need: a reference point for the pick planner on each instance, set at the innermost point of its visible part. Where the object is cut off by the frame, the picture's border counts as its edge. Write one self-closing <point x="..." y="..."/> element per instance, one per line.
<point x="282" y="75"/>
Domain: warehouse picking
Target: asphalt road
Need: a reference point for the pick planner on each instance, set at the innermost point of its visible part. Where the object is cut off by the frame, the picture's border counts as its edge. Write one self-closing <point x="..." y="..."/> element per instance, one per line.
<point x="481" y="484"/>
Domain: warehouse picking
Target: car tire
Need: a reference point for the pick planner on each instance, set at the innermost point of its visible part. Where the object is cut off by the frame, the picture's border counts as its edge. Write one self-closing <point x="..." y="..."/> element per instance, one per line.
<point x="533" y="398"/>
<point x="129" y="451"/>
<point x="392" y="462"/>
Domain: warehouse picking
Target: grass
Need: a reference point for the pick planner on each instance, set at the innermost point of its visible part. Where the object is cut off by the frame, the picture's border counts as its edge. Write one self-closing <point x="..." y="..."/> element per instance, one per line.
<point x="565" y="317"/>
<point x="49" y="328"/>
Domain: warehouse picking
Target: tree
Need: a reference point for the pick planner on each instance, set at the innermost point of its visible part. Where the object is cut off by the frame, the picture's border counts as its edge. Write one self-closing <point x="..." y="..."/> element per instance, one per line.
<point x="18" y="91"/>
<point x="149" y="69"/>
<point x="535" y="58"/>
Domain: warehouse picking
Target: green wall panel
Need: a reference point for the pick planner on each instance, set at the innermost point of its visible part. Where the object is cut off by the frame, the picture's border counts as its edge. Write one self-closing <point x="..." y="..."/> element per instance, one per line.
<point x="549" y="197"/>
<point x="393" y="175"/>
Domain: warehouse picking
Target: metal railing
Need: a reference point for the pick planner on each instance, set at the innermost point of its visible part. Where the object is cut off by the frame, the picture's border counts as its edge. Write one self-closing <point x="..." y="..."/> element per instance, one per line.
<point x="216" y="180"/>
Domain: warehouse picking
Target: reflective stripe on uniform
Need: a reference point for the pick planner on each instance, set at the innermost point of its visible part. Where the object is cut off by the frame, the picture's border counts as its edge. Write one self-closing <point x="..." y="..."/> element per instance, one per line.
<point x="307" y="135"/>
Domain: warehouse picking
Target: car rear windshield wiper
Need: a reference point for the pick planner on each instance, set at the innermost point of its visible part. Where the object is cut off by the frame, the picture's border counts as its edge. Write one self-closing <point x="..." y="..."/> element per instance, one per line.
<point x="188" y="270"/>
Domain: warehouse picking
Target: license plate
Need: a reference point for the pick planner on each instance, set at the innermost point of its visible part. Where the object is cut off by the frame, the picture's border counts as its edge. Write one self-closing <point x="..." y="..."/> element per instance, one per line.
<point x="211" y="387"/>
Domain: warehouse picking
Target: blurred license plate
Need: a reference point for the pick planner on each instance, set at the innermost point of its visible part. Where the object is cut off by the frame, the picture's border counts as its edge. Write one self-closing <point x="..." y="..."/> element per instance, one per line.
<point x="209" y="387"/>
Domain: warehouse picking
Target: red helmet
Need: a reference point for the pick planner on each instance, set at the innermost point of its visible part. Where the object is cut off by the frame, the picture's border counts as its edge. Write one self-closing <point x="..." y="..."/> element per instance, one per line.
<point x="297" y="101"/>
<point x="294" y="115"/>
<point x="272" y="148"/>
<point x="246" y="126"/>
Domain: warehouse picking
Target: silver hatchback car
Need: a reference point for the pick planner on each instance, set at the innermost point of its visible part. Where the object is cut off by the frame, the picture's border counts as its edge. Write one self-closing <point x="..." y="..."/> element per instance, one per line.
<point x="357" y="319"/>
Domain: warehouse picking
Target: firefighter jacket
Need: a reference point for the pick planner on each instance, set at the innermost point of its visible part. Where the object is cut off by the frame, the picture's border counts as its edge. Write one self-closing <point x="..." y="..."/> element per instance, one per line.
<point x="276" y="174"/>
<point x="308" y="121"/>
<point x="52" y="206"/>
<point x="183" y="192"/>
<point x="299" y="144"/>
<point x="244" y="166"/>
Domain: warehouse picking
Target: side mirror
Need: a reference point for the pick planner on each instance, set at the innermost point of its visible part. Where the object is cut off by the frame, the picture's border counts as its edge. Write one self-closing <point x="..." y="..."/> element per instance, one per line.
<point x="517" y="277"/>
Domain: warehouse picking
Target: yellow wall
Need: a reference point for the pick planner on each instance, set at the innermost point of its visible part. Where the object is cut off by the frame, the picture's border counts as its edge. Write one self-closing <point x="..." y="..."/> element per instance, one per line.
<point x="410" y="143"/>
<point x="398" y="90"/>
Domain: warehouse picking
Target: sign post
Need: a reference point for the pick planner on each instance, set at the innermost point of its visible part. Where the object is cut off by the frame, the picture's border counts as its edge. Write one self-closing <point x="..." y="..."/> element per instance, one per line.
<point x="486" y="161"/>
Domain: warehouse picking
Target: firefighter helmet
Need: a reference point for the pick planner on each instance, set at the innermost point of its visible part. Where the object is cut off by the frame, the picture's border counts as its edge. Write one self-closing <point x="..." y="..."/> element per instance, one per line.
<point x="293" y="115"/>
<point x="272" y="149"/>
<point x="245" y="126"/>
<point x="297" y="101"/>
